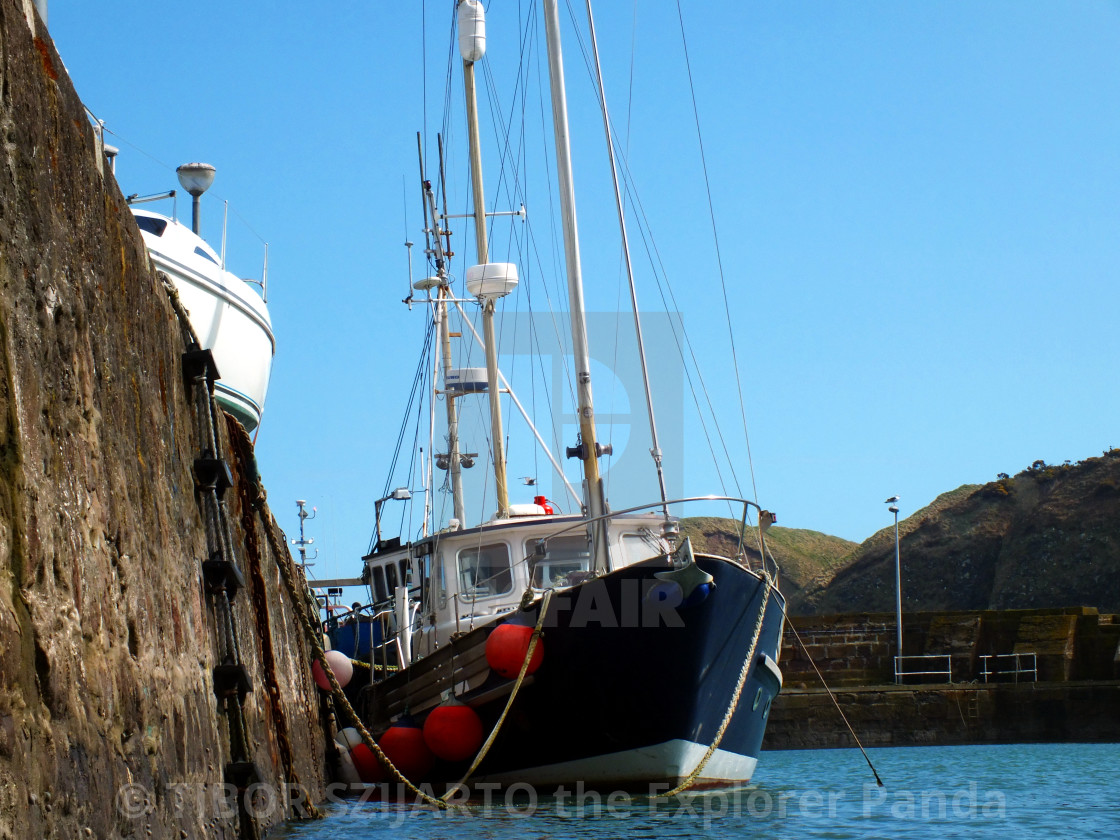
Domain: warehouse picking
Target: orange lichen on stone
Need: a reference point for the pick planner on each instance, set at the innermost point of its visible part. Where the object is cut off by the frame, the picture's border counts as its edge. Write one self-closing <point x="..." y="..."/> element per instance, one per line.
<point x="45" y="57"/>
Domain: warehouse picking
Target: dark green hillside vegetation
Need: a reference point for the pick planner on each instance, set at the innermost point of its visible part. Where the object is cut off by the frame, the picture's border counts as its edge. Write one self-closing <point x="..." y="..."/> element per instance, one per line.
<point x="806" y="558"/>
<point x="1045" y="537"/>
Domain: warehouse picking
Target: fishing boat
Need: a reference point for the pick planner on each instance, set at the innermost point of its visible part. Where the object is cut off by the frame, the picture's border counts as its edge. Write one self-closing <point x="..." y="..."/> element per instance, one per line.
<point x="595" y="647"/>
<point x="228" y="314"/>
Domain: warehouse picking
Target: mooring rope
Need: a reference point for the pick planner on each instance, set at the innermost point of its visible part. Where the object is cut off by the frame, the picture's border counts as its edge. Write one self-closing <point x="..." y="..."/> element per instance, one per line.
<point x="545" y="601"/>
<point x="835" y="702"/>
<point x="687" y="783"/>
<point x="315" y="640"/>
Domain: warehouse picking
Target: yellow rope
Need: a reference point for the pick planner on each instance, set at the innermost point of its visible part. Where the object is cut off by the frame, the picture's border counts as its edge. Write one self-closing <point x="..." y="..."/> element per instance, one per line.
<point x="735" y="696"/>
<point x="513" y="694"/>
<point x="315" y="639"/>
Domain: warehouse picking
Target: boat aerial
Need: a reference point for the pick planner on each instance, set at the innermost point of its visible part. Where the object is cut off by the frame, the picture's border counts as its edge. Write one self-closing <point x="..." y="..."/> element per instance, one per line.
<point x="594" y="647"/>
<point x="227" y="314"/>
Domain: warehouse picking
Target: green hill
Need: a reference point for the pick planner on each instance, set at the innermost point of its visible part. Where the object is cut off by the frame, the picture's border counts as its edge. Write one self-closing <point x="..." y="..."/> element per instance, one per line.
<point x="805" y="558"/>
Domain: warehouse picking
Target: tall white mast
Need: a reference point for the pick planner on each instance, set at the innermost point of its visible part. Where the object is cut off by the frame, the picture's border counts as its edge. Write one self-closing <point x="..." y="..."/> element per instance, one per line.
<point x="588" y="450"/>
<point x="472" y="47"/>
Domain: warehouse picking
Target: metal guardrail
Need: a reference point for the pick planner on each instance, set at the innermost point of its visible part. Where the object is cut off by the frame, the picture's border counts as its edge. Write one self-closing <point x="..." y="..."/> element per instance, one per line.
<point x="902" y="670"/>
<point x="1018" y="659"/>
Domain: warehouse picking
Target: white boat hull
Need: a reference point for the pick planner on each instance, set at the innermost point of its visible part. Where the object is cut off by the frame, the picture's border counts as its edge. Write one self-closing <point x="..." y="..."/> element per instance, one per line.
<point x="661" y="766"/>
<point x="229" y="318"/>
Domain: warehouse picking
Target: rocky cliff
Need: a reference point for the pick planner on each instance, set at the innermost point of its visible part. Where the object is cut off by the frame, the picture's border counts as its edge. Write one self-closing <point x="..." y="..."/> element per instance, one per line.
<point x="109" y="721"/>
<point x="1046" y="537"/>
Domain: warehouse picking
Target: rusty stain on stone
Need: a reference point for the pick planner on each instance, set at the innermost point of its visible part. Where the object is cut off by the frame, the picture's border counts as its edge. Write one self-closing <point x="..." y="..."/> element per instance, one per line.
<point x="45" y="57"/>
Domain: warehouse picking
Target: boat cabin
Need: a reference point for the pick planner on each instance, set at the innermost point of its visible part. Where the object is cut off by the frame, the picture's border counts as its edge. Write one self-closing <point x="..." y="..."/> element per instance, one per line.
<point x="455" y="580"/>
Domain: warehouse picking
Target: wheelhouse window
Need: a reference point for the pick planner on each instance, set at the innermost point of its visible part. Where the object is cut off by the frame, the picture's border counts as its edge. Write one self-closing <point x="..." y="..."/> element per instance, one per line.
<point x="203" y="253"/>
<point x="563" y="561"/>
<point x="155" y="227"/>
<point x="380" y="590"/>
<point x="485" y="571"/>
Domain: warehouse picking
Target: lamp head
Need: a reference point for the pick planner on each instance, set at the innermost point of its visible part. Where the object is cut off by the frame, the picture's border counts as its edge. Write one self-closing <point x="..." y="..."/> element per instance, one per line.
<point x="893" y="508"/>
<point x="196" y="178"/>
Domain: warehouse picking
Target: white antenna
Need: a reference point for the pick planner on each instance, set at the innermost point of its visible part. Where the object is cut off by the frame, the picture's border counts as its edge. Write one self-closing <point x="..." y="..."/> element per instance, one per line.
<point x="303" y="542"/>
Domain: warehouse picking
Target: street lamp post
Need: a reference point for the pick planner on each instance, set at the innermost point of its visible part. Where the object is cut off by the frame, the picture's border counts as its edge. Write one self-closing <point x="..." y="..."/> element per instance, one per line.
<point x="892" y="501"/>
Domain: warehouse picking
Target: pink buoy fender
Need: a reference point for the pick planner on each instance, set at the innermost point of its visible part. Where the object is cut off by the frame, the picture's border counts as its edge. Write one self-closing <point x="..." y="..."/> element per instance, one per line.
<point x="340" y="665"/>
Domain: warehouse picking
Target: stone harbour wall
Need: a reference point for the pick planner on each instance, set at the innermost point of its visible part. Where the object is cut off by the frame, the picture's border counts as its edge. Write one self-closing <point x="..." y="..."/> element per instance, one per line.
<point x="1068" y="643"/>
<point x="1072" y="692"/>
<point x="109" y="721"/>
<point x="893" y="716"/>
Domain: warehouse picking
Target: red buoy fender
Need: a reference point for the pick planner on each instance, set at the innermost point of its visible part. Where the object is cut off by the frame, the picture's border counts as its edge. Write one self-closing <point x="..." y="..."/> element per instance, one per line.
<point x="403" y="744"/>
<point x="506" y="648"/>
<point x="453" y="731"/>
<point x="369" y="767"/>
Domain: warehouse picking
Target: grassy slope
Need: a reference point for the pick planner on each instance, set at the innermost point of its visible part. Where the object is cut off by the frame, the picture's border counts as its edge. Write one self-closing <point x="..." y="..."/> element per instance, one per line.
<point x="806" y="558"/>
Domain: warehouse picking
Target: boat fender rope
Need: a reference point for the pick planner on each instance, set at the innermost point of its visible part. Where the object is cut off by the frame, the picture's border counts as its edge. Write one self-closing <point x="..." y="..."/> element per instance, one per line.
<point x="533" y="639"/>
<point x="180" y="310"/>
<point x="250" y="502"/>
<point x="300" y="595"/>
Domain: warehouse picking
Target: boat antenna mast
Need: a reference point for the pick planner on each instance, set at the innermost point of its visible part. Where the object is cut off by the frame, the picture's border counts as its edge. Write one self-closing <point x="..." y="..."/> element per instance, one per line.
<point x="303" y="542"/>
<point x="435" y="249"/>
<point x="588" y="449"/>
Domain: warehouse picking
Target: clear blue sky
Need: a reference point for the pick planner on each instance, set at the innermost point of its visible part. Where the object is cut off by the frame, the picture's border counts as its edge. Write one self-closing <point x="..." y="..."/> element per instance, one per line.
<point x="918" y="207"/>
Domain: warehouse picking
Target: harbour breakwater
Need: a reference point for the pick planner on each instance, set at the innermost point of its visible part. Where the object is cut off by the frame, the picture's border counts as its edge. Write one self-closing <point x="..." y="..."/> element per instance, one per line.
<point x="137" y="693"/>
<point x="973" y="677"/>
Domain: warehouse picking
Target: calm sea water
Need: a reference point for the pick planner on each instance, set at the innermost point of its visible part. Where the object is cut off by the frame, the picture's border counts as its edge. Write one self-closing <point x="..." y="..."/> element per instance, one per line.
<point x="1012" y="792"/>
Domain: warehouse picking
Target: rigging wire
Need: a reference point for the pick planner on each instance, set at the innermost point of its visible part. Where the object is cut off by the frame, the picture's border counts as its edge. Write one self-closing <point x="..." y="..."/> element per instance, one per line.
<point x="655" y="448"/>
<point x="530" y="251"/>
<point x="660" y="273"/>
<point x="645" y="227"/>
<point x="719" y="257"/>
<point x="418" y="380"/>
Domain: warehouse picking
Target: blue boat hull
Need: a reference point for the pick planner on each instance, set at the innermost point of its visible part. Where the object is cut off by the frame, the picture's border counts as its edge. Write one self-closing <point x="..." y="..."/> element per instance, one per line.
<point x="629" y="694"/>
